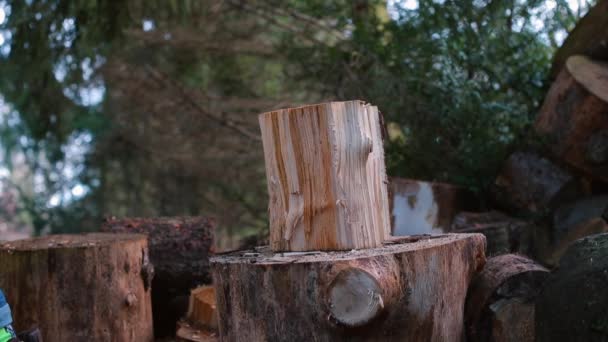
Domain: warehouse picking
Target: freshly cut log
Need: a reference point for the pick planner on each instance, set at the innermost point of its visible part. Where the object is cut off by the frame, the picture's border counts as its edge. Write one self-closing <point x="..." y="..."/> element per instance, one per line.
<point x="529" y="183"/>
<point x="570" y="223"/>
<point x="419" y="207"/>
<point x="574" y="116"/>
<point x="179" y="249"/>
<point x="589" y="37"/>
<point x="500" y="303"/>
<point x="403" y="291"/>
<point x="202" y="308"/>
<point x="326" y="177"/>
<point x="504" y="234"/>
<point x="90" y="287"/>
<point x="572" y="305"/>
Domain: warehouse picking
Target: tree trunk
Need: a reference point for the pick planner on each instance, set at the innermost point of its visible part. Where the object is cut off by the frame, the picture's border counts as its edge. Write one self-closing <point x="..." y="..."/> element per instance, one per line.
<point x="403" y="291"/>
<point x="326" y="177"/>
<point x="500" y="303"/>
<point x="426" y="208"/>
<point x="91" y="287"/>
<point x="574" y="116"/>
<point x="179" y="249"/>
<point x="572" y="306"/>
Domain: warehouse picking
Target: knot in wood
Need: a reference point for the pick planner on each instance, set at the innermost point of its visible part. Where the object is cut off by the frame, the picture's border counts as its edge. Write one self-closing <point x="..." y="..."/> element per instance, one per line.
<point x="355" y="298"/>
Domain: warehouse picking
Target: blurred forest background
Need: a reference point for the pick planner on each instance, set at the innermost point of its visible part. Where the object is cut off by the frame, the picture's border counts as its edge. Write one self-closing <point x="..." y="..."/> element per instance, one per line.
<point x="149" y="107"/>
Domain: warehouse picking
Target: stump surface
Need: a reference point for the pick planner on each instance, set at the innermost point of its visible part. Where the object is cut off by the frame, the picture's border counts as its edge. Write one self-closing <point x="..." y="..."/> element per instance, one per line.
<point x="88" y="287"/>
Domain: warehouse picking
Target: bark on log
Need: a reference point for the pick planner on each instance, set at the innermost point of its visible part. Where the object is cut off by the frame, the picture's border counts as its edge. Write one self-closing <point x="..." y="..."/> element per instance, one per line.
<point x="179" y="249"/>
<point x="419" y="207"/>
<point x="500" y="303"/>
<point x="529" y="183"/>
<point x="589" y="37"/>
<point x="89" y="287"/>
<point x="574" y="116"/>
<point x="570" y="223"/>
<point x="503" y="234"/>
<point x="572" y="305"/>
<point x="326" y="177"/>
<point x="412" y="291"/>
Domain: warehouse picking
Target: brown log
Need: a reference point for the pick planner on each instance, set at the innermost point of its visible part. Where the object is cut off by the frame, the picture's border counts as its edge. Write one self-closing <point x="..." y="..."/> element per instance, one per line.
<point x="504" y="234"/>
<point x="589" y="37"/>
<point x="574" y="116"/>
<point x="572" y="305"/>
<point x="326" y="177"/>
<point x="90" y="287"/>
<point x="500" y="303"/>
<point x="202" y="309"/>
<point x="179" y="249"/>
<point x="408" y="291"/>
<point x="570" y="223"/>
<point x="529" y="183"/>
<point x="419" y="207"/>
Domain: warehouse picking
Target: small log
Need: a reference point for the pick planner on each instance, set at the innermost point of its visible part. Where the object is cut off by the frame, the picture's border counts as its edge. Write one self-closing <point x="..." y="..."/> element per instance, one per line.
<point x="179" y="249"/>
<point x="572" y="305"/>
<point x="90" y="287"/>
<point x="529" y="183"/>
<point x="412" y="291"/>
<point x="504" y="234"/>
<point x="419" y="207"/>
<point x="570" y="223"/>
<point x="202" y="308"/>
<point x="574" y="116"/>
<point x="500" y="303"/>
<point x="326" y="177"/>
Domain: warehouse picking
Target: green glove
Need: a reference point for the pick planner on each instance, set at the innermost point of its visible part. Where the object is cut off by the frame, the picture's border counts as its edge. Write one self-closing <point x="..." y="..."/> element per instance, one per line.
<point x="7" y="334"/>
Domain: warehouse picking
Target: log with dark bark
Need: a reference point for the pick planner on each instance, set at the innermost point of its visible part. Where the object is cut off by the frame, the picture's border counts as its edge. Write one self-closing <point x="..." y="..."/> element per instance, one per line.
<point x="572" y="305"/>
<point x="419" y="207"/>
<point x="574" y="116"/>
<point x="404" y="291"/>
<point x="90" y="287"/>
<point x="529" y="183"/>
<point x="571" y="222"/>
<point x="179" y="249"/>
<point x="326" y="177"/>
<point x="500" y="303"/>
<point x="504" y="234"/>
<point x="589" y="37"/>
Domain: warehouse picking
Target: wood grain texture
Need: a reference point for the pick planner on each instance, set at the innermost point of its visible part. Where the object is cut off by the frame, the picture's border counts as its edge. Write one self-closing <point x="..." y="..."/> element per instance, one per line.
<point x="403" y="291"/>
<point x="79" y="287"/>
<point x="326" y="177"/>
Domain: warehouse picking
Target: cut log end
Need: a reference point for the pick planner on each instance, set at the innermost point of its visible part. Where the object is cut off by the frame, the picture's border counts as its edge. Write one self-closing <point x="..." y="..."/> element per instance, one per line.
<point x="69" y="241"/>
<point x="355" y="298"/>
<point x="592" y="75"/>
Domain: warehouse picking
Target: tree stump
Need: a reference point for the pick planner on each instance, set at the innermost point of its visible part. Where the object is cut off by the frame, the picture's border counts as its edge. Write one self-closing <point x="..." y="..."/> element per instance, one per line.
<point x="179" y="249"/>
<point x="574" y="116"/>
<point x="403" y="291"/>
<point x="500" y="303"/>
<point x="90" y="287"/>
<point x="326" y="177"/>
<point x="572" y="306"/>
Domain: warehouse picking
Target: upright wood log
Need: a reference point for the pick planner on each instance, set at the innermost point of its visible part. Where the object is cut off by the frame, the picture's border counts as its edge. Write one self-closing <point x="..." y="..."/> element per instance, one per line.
<point x="326" y="177"/>
<point x="91" y="287"/>
<point x="404" y="291"/>
<point x="500" y="303"/>
<point x="179" y="249"/>
<point x="574" y="116"/>
<point x="572" y="305"/>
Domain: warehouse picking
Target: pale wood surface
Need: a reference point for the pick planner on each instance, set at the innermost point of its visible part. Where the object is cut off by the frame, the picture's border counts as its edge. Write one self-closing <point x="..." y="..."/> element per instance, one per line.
<point x="326" y="177"/>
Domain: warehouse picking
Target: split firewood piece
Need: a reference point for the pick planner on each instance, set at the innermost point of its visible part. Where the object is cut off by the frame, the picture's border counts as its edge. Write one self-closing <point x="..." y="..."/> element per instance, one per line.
<point x="202" y="308"/>
<point x="326" y="177"/>
<point x="570" y="223"/>
<point x="179" y="249"/>
<point x="574" y="116"/>
<point x="412" y="291"/>
<point x="500" y="303"/>
<point x="572" y="305"/>
<point x="529" y="183"/>
<point x="504" y="234"/>
<point x="92" y="287"/>
<point x="419" y="207"/>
